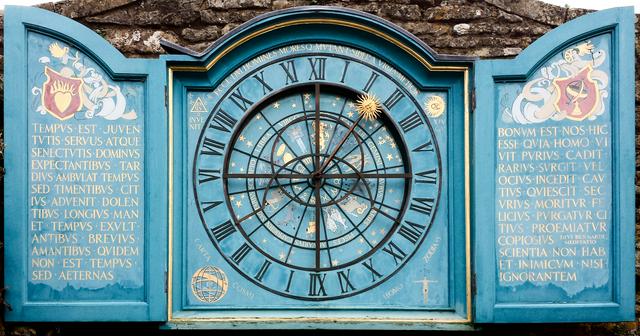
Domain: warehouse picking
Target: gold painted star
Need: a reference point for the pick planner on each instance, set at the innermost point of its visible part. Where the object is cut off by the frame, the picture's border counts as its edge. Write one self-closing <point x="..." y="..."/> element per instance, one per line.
<point x="350" y="114"/>
<point x="241" y="137"/>
<point x="276" y="105"/>
<point x="232" y="198"/>
<point x="382" y="231"/>
<point x="334" y="262"/>
<point x="307" y="96"/>
<point x="389" y="157"/>
<point x="361" y="240"/>
<point x="258" y="117"/>
<point x="282" y="256"/>
<point x="238" y="204"/>
<point x="393" y="145"/>
<point x="249" y="143"/>
<point x="351" y="104"/>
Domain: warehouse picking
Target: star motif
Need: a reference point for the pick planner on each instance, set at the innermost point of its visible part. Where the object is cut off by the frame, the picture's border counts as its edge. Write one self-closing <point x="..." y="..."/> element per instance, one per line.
<point x="233" y="164"/>
<point x="241" y="169"/>
<point x="334" y="262"/>
<point x="361" y="240"/>
<point x="242" y="196"/>
<point x="350" y="114"/>
<point x="258" y="117"/>
<point x="241" y="137"/>
<point x="351" y="104"/>
<point x="389" y="157"/>
<point x="307" y="96"/>
<point x="238" y="204"/>
<point x="373" y="233"/>
<point x="382" y="231"/>
<point x="393" y="145"/>
<point x="249" y="143"/>
<point x="232" y="198"/>
<point x="333" y="104"/>
<point x="359" y="251"/>
<point x="281" y="256"/>
<point x="264" y="241"/>
<point x="293" y="105"/>
<point x="276" y="105"/>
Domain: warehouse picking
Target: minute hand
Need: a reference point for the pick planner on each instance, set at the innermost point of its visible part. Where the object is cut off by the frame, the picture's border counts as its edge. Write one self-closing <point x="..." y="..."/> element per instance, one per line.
<point x="335" y="151"/>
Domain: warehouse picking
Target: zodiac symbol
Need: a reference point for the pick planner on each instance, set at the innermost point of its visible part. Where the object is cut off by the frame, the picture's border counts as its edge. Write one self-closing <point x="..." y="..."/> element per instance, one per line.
<point x="296" y="134"/>
<point x="324" y="135"/>
<point x="334" y="216"/>
<point x="276" y="197"/>
<point x="282" y="153"/>
<point x="311" y="227"/>
<point x="351" y="205"/>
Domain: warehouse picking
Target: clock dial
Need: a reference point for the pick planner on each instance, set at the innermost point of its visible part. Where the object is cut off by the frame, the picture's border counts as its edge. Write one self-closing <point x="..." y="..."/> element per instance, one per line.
<point x="319" y="189"/>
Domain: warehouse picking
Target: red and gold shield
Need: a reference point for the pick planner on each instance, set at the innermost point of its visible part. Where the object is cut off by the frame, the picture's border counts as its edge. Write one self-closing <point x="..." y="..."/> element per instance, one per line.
<point x="578" y="95"/>
<point x="61" y="94"/>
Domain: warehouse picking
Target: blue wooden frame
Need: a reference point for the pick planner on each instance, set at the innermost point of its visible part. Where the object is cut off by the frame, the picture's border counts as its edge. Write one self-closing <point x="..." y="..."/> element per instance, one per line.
<point x="619" y="22"/>
<point x="189" y="72"/>
<point x="18" y="22"/>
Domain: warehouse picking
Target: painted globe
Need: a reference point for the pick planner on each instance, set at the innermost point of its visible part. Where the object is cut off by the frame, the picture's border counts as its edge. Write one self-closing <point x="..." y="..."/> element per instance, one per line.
<point x="209" y="284"/>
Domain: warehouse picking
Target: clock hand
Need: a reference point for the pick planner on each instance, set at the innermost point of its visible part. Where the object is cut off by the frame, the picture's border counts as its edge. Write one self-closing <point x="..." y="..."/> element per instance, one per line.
<point x="318" y="217"/>
<point x="265" y="175"/>
<point x="363" y="175"/>
<point x="368" y="108"/>
<point x="317" y="129"/>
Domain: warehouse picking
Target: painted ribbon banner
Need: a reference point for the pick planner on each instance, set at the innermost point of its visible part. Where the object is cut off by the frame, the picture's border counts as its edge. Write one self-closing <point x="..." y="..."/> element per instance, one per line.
<point x="554" y="180"/>
<point x="86" y="190"/>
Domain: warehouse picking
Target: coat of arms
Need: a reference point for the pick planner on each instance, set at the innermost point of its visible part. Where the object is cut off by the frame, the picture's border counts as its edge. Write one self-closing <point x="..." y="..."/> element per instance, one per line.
<point x="578" y="95"/>
<point x="61" y="94"/>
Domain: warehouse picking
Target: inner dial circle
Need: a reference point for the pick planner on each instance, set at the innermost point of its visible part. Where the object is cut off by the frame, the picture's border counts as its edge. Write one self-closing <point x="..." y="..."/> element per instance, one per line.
<point x="274" y="174"/>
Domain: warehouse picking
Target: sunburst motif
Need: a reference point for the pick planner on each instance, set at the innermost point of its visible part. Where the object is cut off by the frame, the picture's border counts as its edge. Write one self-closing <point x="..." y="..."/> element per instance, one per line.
<point x="368" y="106"/>
<point x="434" y="106"/>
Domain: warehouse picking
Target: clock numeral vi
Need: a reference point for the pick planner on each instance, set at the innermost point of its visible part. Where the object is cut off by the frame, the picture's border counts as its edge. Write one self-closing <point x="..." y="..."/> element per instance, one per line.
<point x="207" y="175"/>
<point x="427" y="176"/>
<point x="316" y="284"/>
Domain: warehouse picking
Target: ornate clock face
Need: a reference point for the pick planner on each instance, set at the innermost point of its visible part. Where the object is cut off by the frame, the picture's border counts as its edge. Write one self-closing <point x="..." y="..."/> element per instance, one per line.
<point x="316" y="176"/>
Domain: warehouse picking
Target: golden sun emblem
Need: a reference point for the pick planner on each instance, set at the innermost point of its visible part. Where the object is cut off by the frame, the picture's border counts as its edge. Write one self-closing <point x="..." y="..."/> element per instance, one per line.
<point x="368" y="106"/>
<point x="434" y="106"/>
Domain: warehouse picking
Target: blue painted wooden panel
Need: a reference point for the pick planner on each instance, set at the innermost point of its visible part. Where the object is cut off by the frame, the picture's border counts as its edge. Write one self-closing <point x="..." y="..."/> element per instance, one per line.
<point x="85" y="191"/>
<point x="211" y="280"/>
<point x="554" y="161"/>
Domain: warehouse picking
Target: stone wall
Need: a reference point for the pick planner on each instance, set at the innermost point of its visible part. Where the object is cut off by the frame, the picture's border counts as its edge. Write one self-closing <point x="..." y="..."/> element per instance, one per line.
<point x="484" y="28"/>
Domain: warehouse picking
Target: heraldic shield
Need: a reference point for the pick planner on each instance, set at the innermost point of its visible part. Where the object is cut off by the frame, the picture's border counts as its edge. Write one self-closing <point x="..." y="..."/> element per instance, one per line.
<point x="61" y="94"/>
<point x="578" y="95"/>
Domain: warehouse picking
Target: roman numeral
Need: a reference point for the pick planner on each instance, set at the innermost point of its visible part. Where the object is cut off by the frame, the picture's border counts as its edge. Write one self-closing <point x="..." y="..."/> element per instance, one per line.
<point x="412" y="231"/>
<point x="289" y="281"/>
<point x="263" y="270"/>
<point x="344" y="71"/>
<point x="240" y="100"/>
<point x="206" y="206"/>
<point x="223" y="121"/>
<point x="425" y="147"/>
<point x="394" y="250"/>
<point x="207" y="175"/>
<point x="393" y="99"/>
<point x="260" y="78"/>
<point x="422" y="205"/>
<point x="240" y="253"/>
<point x="374" y="274"/>
<point x="317" y="67"/>
<point x="290" y="71"/>
<point x="316" y="284"/>
<point x="410" y="122"/>
<point x="345" y="284"/>
<point x="223" y="230"/>
<point x="428" y="176"/>
<point x="211" y="147"/>
<point x="372" y="79"/>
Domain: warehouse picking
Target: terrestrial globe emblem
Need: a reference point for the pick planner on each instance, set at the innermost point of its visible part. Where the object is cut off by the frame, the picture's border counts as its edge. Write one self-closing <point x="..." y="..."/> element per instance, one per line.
<point x="209" y="284"/>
